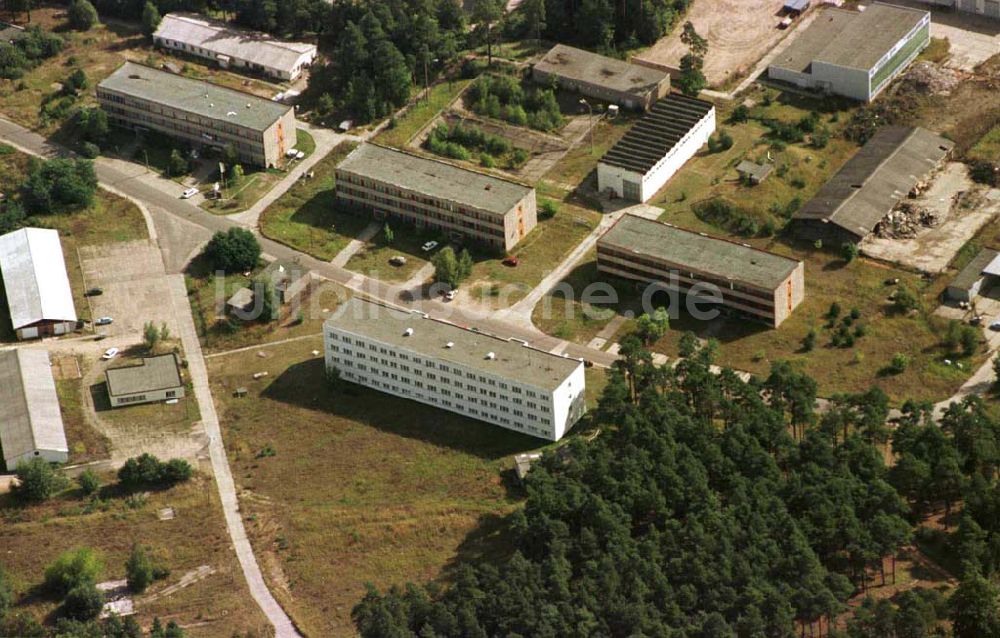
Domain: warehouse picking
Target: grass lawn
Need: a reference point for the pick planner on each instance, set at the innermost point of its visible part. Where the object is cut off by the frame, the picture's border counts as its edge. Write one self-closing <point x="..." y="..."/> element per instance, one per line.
<point x="373" y="259"/>
<point x="988" y="147"/>
<point x="362" y="487"/>
<point x="304" y="142"/>
<point x="422" y="112"/>
<point x="581" y="160"/>
<point x="307" y="217"/>
<point x="85" y="443"/>
<point x="539" y="253"/>
<point x="215" y="607"/>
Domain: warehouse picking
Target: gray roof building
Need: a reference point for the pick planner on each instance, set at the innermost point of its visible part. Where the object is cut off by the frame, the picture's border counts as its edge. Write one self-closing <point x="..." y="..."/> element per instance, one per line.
<point x="872" y="182"/>
<point x="153" y="375"/>
<point x="602" y="77"/>
<point x="853" y="53"/>
<point x="30" y="421"/>
<point x="968" y="283"/>
<point x="444" y="341"/>
<point x="195" y="96"/>
<point x="434" y="178"/>
<point x="231" y="46"/>
<point x="713" y="256"/>
<point x="35" y="279"/>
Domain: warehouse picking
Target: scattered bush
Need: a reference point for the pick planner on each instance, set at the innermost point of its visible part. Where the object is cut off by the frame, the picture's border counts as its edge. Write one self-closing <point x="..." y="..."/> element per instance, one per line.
<point x="898" y="364"/>
<point x="88" y="482"/>
<point x="37" y="481"/>
<point x="71" y="569"/>
<point x="547" y="209"/>
<point x="90" y="150"/>
<point x="503" y="97"/>
<point x="82" y="15"/>
<point x="849" y="250"/>
<point x="985" y="172"/>
<point x="740" y="114"/>
<point x="139" y="570"/>
<point x="58" y="185"/>
<point x="722" y="141"/>
<point x="83" y="602"/>
<point x="148" y="471"/>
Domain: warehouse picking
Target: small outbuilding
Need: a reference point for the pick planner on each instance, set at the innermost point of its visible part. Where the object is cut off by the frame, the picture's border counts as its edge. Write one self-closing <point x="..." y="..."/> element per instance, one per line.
<point x="753" y="172"/>
<point x="241" y="301"/>
<point x="523" y="462"/>
<point x="975" y="278"/>
<point x="31" y="424"/>
<point x="155" y="379"/>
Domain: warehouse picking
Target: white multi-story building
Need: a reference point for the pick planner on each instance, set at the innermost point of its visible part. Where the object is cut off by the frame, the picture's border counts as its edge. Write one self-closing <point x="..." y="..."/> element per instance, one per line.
<point x="656" y="147"/>
<point x="502" y="382"/>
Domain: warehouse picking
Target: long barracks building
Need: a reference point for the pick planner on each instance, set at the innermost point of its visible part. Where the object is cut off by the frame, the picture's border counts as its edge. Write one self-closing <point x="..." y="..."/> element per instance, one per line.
<point x="430" y="193"/>
<point x="756" y="283"/>
<point x="502" y="382"/>
<point x="200" y="113"/>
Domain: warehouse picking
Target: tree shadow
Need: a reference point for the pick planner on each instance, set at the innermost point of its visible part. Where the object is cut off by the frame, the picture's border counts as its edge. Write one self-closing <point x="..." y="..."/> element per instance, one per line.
<point x="488" y="542"/>
<point x="305" y="385"/>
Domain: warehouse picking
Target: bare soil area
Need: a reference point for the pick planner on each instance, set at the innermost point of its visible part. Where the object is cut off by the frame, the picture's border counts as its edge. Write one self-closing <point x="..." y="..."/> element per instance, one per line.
<point x="739" y="33"/>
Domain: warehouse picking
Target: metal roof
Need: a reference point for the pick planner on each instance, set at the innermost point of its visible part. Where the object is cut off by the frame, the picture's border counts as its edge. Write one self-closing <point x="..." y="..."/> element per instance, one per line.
<point x="851" y="39"/>
<point x="656" y="134"/>
<point x="34" y="277"/>
<point x="154" y="373"/>
<point x="430" y="338"/>
<point x="221" y="38"/>
<point x="872" y="182"/>
<point x="796" y="5"/>
<point x="691" y="251"/>
<point x="434" y="178"/>
<point x="583" y="66"/>
<point x="29" y="406"/>
<point x="195" y="96"/>
<point x="982" y="264"/>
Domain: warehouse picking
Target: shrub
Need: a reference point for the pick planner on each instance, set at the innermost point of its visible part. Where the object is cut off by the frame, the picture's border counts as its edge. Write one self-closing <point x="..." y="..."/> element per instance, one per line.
<point x="148" y="471"/>
<point x="177" y="164"/>
<point x="88" y="482"/>
<point x="809" y="341"/>
<point x="721" y="142"/>
<point x="547" y="209"/>
<point x="235" y="250"/>
<point x="905" y="300"/>
<point x="985" y="172"/>
<point x="740" y="114"/>
<point x="139" y="570"/>
<point x="58" y="185"/>
<point x="90" y="150"/>
<point x="82" y="15"/>
<point x="83" y="602"/>
<point x="849" y="250"/>
<point x="898" y="364"/>
<point x="37" y="481"/>
<point x="487" y="161"/>
<point x="71" y="569"/>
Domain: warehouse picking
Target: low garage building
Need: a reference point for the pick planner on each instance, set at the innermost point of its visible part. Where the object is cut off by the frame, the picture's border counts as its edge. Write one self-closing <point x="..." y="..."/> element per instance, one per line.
<point x="870" y="185"/>
<point x="656" y="147"/>
<point x="975" y="278"/>
<point x="854" y="54"/>
<point x="602" y="78"/>
<point x="31" y="424"/>
<point x="37" y="287"/>
<point x="155" y="379"/>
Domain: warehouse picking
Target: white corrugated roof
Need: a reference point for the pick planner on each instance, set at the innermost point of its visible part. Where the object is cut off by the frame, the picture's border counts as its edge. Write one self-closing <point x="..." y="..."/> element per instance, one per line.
<point x="223" y="39"/>
<point x="993" y="268"/>
<point x="29" y="406"/>
<point x="34" y="277"/>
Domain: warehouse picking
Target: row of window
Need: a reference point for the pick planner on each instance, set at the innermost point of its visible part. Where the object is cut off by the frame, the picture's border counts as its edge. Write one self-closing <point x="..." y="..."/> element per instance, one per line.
<point x="428" y="202"/>
<point x="203" y="123"/>
<point x="409" y="211"/>
<point x="254" y="152"/>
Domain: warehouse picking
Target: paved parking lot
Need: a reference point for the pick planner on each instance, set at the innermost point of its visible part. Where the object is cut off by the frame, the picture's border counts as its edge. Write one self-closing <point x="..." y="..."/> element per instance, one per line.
<point x="973" y="38"/>
<point x="135" y="287"/>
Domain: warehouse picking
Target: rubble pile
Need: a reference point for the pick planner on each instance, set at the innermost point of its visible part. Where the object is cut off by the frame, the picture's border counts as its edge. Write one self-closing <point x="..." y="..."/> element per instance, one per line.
<point x="931" y="79"/>
<point x="905" y="221"/>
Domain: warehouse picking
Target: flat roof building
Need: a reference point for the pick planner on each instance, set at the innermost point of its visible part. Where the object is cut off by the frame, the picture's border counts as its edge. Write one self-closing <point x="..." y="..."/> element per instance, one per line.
<point x="499" y="381"/>
<point x="429" y="193"/>
<point x="154" y="379"/>
<point x="759" y="284"/>
<point x="988" y="8"/>
<point x="656" y="147"/>
<point x="871" y="184"/>
<point x="600" y="77"/>
<point x="31" y="424"/>
<point x="199" y="113"/>
<point x="39" y="296"/>
<point x="233" y="48"/>
<point x="854" y="54"/>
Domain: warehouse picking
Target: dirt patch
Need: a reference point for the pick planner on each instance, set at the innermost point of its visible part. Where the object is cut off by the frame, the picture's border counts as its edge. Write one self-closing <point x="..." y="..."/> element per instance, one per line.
<point x="932" y="79"/>
<point x="739" y="34"/>
<point x="65" y="367"/>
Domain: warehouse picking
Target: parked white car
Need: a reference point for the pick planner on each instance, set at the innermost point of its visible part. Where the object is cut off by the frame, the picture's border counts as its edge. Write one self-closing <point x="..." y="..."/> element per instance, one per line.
<point x="429" y="246"/>
<point x="189" y="193"/>
<point x="448" y="296"/>
<point x="995" y="325"/>
<point x="104" y="321"/>
<point x="110" y="354"/>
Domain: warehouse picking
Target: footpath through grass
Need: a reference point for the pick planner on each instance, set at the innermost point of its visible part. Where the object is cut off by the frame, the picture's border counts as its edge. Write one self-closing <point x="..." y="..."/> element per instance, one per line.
<point x="420" y="113"/>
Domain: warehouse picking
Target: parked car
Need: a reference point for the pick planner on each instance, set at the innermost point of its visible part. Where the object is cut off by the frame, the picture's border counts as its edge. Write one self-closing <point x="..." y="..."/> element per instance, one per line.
<point x="448" y="296"/>
<point x="110" y="354"/>
<point x="300" y="155"/>
<point x="429" y="246"/>
<point x="189" y="193"/>
<point x="291" y="153"/>
<point x="93" y="292"/>
<point x="397" y="260"/>
<point x="995" y="325"/>
<point x="104" y="321"/>
<point x="511" y="261"/>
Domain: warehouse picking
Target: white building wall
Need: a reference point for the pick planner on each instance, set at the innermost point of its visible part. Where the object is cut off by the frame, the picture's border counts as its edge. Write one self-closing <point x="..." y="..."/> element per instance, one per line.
<point x="613" y="177"/>
<point x="154" y="396"/>
<point x="852" y="83"/>
<point x="52" y="456"/>
<point x="507" y="402"/>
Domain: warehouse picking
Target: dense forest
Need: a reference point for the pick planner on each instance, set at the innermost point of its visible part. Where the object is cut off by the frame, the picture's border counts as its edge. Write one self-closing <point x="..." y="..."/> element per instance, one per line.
<point x="710" y="507"/>
<point x="608" y="25"/>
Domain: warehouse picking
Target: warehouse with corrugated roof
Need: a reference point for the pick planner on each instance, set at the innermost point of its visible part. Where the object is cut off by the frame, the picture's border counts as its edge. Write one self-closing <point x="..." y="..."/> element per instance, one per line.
<point x="646" y="157"/>
<point x="31" y="424"/>
<point x="39" y="296"/>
